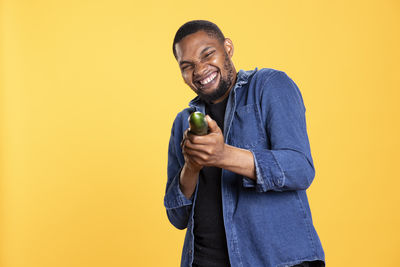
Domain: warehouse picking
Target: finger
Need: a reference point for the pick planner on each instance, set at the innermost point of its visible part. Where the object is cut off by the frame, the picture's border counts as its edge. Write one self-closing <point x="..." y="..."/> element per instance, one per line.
<point x="196" y="156"/>
<point x="195" y="162"/>
<point x="184" y="137"/>
<point x="197" y="147"/>
<point x="189" y="154"/>
<point x="199" y="139"/>
<point x="189" y="146"/>
<point x="195" y="139"/>
<point x="183" y="143"/>
<point x="212" y="125"/>
<point x="186" y="132"/>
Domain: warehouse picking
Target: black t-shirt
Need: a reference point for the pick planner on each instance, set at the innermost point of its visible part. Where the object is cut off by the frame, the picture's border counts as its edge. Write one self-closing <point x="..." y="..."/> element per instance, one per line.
<point x="210" y="248"/>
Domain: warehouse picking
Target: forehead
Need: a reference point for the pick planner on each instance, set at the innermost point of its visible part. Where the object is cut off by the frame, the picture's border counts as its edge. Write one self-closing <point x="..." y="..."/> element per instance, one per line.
<point x="192" y="45"/>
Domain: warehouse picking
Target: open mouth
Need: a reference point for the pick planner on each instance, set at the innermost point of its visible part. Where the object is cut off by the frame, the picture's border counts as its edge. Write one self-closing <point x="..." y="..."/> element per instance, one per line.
<point x="208" y="81"/>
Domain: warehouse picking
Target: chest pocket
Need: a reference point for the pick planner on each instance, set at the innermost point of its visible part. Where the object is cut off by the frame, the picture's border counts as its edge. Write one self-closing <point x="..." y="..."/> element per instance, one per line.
<point x="247" y="130"/>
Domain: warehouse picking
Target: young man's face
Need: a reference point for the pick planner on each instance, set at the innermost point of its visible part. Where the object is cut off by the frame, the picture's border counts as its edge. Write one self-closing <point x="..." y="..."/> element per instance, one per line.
<point x="206" y="65"/>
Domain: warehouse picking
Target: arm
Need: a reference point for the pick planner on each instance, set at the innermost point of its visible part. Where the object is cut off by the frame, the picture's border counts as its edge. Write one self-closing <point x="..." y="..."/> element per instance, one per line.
<point x="177" y="205"/>
<point x="238" y="160"/>
<point x="210" y="150"/>
<point x="188" y="179"/>
<point x="288" y="165"/>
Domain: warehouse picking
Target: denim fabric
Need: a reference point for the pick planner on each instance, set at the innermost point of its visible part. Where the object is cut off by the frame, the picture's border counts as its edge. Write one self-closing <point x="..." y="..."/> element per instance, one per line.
<point x="268" y="222"/>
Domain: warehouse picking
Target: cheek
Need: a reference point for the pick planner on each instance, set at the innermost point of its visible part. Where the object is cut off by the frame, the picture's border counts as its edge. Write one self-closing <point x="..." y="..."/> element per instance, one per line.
<point x="218" y="61"/>
<point x="186" y="78"/>
<point x="215" y="61"/>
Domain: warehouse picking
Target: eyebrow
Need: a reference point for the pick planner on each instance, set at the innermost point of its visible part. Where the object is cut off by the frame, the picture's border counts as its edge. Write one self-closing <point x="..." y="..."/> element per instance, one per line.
<point x="202" y="52"/>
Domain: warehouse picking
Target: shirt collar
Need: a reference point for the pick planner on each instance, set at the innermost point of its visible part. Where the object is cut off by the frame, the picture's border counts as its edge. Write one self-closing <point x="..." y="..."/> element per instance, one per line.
<point x="242" y="79"/>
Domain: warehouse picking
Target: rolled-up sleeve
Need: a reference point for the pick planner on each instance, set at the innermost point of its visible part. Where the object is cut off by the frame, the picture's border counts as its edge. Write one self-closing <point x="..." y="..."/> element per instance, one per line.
<point x="178" y="207"/>
<point x="288" y="164"/>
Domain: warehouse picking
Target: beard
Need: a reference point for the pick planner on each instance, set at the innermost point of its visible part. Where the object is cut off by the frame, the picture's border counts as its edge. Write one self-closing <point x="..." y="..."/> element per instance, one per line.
<point x="223" y="86"/>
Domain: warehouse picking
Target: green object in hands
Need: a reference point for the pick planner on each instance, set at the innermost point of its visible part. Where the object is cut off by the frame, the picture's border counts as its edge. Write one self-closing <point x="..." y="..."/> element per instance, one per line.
<point x="197" y="123"/>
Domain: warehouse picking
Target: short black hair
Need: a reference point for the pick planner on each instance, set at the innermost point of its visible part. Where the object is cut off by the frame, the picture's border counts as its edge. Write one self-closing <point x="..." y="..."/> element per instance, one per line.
<point x="198" y="25"/>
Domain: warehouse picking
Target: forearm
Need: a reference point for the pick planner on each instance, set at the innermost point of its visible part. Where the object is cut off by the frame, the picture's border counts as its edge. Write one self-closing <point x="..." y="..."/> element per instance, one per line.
<point x="283" y="169"/>
<point x="188" y="180"/>
<point x="178" y="206"/>
<point x="240" y="161"/>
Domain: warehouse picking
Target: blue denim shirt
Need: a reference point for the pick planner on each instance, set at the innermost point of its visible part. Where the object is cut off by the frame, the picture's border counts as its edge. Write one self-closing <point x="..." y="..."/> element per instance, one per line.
<point x="267" y="221"/>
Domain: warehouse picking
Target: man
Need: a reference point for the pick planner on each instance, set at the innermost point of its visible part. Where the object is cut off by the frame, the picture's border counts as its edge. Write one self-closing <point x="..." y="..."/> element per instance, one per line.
<point x="240" y="190"/>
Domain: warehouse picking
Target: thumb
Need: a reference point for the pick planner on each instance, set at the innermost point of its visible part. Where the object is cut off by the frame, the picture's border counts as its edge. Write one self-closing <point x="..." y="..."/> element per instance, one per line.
<point x="212" y="125"/>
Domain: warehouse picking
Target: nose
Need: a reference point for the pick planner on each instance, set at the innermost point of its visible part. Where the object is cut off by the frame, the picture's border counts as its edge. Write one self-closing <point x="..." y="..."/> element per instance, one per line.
<point x="199" y="70"/>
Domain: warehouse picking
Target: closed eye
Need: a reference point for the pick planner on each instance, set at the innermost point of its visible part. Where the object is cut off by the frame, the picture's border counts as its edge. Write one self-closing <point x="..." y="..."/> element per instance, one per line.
<point x="208" y="54"/>
<point x="185" y="67"/>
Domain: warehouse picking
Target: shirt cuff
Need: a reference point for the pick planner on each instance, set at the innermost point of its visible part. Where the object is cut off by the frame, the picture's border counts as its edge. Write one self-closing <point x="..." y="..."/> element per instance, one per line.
<point x="174" y="198"/>
<point x="269" y="175"/>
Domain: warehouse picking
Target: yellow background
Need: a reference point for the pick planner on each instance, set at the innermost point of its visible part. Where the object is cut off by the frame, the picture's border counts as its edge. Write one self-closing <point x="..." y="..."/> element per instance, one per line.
<point x="89" y="90"/>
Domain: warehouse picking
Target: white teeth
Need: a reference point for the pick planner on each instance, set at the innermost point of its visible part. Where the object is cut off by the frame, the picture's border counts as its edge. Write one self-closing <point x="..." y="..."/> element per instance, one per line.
<point x="208" y="79"/>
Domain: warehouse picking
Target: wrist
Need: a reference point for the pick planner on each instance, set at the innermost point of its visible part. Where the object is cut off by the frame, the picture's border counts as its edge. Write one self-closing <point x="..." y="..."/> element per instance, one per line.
<point x="191" y="168"/>
<point x="238" y="160"/>
<point x="188" y="180"/>
<point x="226" y="155"/>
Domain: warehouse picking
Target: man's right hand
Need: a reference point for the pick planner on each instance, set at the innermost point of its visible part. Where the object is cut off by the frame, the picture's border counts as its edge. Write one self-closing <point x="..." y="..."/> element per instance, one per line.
<point x="193" y="166"/>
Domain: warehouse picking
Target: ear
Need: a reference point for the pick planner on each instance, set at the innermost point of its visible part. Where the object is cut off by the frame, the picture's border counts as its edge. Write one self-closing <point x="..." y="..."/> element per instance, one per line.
<point x="228" y="45"/>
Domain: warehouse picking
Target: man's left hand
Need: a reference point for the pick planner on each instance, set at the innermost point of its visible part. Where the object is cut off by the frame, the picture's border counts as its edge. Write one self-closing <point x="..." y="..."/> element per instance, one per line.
<point x="206" y="150"/>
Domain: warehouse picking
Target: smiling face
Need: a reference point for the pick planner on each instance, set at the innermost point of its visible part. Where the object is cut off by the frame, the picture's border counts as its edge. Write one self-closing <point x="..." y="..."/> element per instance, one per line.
<point x="206" y="65"/>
